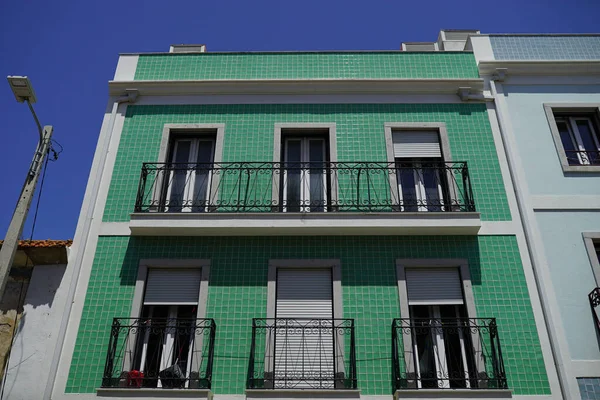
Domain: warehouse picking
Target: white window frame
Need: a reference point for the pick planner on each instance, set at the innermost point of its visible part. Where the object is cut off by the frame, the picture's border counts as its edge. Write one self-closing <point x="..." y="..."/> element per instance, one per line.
<point x="469" y="302"/>
<point x="440" y="127"/>
<point x="591" y="240"/>
<point x="304" y="129"/>
<point x="338" y="312"/>
<point x="593" y="109"/>
<point x="138" y="302"/>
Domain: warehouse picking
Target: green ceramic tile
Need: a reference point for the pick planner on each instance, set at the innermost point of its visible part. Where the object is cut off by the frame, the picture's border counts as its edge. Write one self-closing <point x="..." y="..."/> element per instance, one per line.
<point x="329" y="65"/>
<point x="360" y="137"/>
<point x="238" y="293"/>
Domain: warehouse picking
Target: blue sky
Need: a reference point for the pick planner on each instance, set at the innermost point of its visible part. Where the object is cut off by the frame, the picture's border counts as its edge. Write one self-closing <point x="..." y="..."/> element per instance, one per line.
<point x="70" y="49"/>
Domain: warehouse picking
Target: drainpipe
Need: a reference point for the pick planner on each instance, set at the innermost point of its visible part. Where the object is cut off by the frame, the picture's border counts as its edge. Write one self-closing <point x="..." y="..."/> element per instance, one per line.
<point x="130" y="96"/>
<point x="563" y="376"/>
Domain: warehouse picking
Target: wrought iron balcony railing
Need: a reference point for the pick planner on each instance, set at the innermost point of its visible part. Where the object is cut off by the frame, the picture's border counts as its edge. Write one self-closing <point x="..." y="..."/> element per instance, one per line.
<point x="447" y="354"/>
<point x="583" y="157"/>
<point x="165" y="353"/>
<point x="239" y="187"/>
<point x="295" y="353"/>
<point x="594" y="298"/>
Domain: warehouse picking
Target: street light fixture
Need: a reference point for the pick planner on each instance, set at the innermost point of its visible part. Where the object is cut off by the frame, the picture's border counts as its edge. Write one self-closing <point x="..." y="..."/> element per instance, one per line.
<point x="21" y="87"/>
<point x="23" y="91"/>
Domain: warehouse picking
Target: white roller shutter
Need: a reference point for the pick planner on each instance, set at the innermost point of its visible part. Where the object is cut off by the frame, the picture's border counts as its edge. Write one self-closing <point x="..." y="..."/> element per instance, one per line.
<point x="304" y="357"/>
<point x="304" y="293"/>
<point x="416" y="144"/>
<point x="172" y="286"/>
<point x="434" y="286"/>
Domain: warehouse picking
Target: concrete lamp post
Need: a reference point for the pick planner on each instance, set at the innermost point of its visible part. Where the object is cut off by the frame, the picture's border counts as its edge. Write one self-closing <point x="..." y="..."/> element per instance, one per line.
<point x="21" y="87"/>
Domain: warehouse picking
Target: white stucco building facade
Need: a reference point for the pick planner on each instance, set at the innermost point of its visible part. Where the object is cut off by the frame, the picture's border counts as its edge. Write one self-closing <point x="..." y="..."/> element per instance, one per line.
<point x="546" y="91"/>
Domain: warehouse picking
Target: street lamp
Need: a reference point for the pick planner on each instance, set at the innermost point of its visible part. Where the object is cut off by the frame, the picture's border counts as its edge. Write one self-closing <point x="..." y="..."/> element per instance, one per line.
<point x="21" y="87"/>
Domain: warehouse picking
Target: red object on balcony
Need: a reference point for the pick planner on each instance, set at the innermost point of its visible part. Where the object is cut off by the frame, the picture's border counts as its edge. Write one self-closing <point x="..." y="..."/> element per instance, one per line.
<point x="135" y="378"/>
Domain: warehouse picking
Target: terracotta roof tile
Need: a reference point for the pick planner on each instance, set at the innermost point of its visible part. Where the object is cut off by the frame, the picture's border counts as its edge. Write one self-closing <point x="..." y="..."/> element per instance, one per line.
<point x="27" y="244"/>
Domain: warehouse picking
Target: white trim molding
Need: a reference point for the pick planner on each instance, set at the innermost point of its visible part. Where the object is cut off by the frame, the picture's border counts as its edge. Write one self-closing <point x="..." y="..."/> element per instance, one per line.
<point x="593" y="109"/>
<point x="297" y="87"/>
<point x="590" y="240"/>
<point x="541" y="67"/>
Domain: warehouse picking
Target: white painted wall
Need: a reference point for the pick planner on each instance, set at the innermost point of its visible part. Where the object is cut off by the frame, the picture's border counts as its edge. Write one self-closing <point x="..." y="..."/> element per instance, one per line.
<point x="37" y="333"/>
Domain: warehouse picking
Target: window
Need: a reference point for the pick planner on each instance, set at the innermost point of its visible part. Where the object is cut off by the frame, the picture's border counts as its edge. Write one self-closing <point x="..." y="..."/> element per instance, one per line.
<point x="420" y="172"/>
<point x="308" y="345"/>
<point x="166" y="346"/>
<point x="305" y="182"/>
<point x="187" y="175"/>
<point x="304" y="354"/>
<point x="575" y="130"/>
<point x="302" y="157"/>
<point x="423" y="179"/>
<point x="444" y="354"/>
<point x="439" y="343"/>
<point x="190" y="169"/>
<point x="579" y="139"/>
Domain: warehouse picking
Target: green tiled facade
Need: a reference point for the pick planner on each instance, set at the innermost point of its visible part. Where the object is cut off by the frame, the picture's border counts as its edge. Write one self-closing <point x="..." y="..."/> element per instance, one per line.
<point x="238" y="293"/>
<point x="249" y="132"/>
<point x="328" y="65"/>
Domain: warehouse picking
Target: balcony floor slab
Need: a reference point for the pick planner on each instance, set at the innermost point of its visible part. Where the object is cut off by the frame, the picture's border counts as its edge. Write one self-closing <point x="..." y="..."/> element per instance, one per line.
<point x="265" y="224"/>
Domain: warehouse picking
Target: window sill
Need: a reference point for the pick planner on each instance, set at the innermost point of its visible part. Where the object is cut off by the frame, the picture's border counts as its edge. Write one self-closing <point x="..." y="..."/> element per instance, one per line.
<point x="453" y="394"/>
<point x="302" y="394"/>
<point x="581" y="168"/>
<point x="172" y="394"/>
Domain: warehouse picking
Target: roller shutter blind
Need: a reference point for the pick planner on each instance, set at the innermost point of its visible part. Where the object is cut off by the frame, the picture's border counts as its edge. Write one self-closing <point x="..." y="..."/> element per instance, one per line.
<point x="429" y="286"/>
<point x="172" y="286"/>
<point x="304" y="358"/>
<point x="304" y="293"/>
<point x="416" y="144"/>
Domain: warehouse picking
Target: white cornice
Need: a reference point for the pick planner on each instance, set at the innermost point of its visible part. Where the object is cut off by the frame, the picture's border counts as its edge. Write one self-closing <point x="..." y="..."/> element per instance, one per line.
<point x="541" y="67"/>
<point x="325" y="86"/>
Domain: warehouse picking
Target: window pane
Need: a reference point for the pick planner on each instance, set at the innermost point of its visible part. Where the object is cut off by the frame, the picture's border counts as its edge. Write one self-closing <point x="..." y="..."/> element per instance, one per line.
<point x="586" y="133"/>
<point x="203" y="174"/>
<point x="423" y="340"/>
<point x="407" y="184"/>
<point x="317" y="174"/>
<point x="182" y="151"/>
<point x="567" y="142"/>
<point x="293" y="174"/>
<point x="179" y="175"/>
<point x="587" y="137"/>
<point x="205" y="151"/>
<point x="431" y="180"/>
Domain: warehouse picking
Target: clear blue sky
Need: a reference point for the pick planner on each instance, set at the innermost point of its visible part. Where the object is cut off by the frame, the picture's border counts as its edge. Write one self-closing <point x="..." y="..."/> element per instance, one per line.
<point x="69" y="50"/>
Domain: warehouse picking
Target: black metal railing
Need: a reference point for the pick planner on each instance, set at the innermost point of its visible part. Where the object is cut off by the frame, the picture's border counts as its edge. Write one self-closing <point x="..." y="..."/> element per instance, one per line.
<point x="296" y="353"/>
<point x="583" y="157"/>
<point x="594" y="298"/>
<point x="442" y="353"/>
<point x="166" y="353"/>
<point x="305" y="187"/>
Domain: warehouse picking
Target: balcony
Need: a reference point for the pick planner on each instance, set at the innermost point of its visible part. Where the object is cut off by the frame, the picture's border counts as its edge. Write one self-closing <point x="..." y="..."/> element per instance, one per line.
<point x="295" y="353"/>
<point x="455" y="353"/>
<point x="305" y="198"/>
<point x="159" y="353"/>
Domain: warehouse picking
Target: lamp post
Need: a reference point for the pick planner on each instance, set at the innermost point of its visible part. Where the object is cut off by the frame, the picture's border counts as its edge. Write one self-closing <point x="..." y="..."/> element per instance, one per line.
<point x="21" y="87"/>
